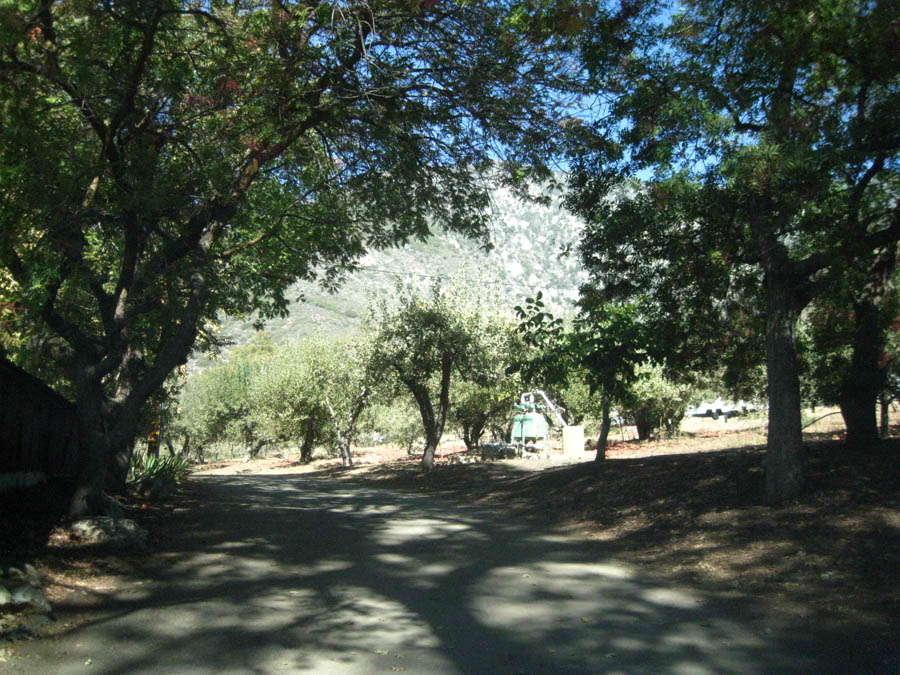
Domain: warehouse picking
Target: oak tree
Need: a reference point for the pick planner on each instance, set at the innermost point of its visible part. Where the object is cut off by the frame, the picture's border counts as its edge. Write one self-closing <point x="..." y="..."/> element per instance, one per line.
<point x="163" y="161"/>
<point x="766" y="142"/>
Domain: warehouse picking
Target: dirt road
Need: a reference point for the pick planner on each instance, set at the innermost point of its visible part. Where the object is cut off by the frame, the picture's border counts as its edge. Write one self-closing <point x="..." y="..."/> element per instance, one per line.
<point x="294" y="573"/>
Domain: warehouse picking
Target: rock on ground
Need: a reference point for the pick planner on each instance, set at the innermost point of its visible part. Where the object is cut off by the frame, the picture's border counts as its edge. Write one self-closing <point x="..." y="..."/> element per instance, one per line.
<point x="114" y="532"/>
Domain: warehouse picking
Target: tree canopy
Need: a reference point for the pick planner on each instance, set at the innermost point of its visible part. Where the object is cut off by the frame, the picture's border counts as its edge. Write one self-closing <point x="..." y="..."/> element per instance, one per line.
<point x="766" y="142"/>
<point x="161" y="162"/>
<point x="422" y="340"/>
<point x="602" y="348"/>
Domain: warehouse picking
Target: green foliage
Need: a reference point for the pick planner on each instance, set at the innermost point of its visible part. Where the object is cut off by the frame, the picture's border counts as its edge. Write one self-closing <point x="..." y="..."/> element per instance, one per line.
<point x="600" y="360"/>
<point x="767" y="138"/>
<point x="427" y="341"/>
<point x="602" y="347"/>
<point x="222" y="404"/>
<point x="153" y="476"/>
<point x="315" y="390"/>
<point x="399" y="422"/>
<point x="162" y="163"/>
<point x="825" y="350"/>
<point x="309" y="392"/>
<point x="419" y="336"/>
<point x="580" y="403"/>
<point x="285" y="395"/>
<point x="655" y="402"/>
<point x="345" y="377"/>
<point x="486" y="397"/>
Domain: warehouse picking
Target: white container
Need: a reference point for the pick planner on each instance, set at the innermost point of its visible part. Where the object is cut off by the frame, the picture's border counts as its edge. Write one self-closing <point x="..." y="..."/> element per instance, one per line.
<point x="573" y="440"/>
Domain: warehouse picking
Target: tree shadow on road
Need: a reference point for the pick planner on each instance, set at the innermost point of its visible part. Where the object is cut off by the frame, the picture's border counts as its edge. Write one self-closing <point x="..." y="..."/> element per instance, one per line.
<point x="299" y="573"/>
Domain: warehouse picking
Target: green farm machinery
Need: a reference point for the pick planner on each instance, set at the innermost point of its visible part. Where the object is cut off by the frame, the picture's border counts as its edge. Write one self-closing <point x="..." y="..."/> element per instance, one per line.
<point x="531" y="426"/>
<point x="535" y="416"/>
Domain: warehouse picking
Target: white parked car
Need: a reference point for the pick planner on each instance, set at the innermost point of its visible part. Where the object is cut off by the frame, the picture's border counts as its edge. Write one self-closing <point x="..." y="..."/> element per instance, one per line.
<point x="720" y="408"/>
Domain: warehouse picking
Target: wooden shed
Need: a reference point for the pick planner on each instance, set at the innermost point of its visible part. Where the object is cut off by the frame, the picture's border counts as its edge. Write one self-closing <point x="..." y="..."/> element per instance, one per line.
<point x="38" y="427"/>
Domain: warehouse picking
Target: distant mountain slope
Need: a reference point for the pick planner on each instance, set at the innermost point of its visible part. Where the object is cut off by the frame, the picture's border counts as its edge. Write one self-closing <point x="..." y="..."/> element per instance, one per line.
<point x="530" y="254"/>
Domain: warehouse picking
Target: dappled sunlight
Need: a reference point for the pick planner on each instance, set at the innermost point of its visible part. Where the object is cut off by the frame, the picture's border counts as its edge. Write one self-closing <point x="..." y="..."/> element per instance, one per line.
<point x="410" y="567"/>
<point x="298" y="574"/>
<point x="603" y="613"/>
<point x="394" y="559"/>
<point x="568" y="570"/>
<point x="215" y="568"/>
<point x="234" y="545"/>
<point x="372" y="621"/>
<point x="367" y="510"/>
<point x="403" y="530"/>
<point x="669" y="597"/>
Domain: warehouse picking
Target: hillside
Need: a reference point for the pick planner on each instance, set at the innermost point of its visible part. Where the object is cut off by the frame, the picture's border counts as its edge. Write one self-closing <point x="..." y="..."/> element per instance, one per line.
<point x="533" y="250"/>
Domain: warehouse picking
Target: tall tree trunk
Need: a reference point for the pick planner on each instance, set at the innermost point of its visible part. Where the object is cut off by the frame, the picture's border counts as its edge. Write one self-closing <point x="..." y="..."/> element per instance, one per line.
<point x="431" y="444"/>
<point x="185" y="447"/>
<point x="787" y="290"/>
<point x="110" y="424"/>
<point x="644" y="427"/>
<point x="108" y="430"/>
<point x="866" y="376"/>
<point x="87" y="498"/>
<point x="429" y="423"/>
<point x="885" y="405"/>
<point x="121" y="448"/>
<point x="345" y="430"/>
<point x="783" y="464"/>
<point x="865" y="379"/>
<point x="256" y="447"/>
<point x="106" y="458"/>
<point x="605" y="425"/>
<point x="467" y="438"/>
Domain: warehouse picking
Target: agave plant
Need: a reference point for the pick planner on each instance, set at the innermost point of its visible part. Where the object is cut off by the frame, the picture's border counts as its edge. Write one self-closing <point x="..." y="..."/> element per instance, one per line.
<point x="152" y="476"/>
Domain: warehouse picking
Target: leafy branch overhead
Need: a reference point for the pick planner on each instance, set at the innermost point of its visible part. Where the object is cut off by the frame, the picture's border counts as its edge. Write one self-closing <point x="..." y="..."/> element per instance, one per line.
<point x="164" y="162"/>
<point x="766" y="136"/>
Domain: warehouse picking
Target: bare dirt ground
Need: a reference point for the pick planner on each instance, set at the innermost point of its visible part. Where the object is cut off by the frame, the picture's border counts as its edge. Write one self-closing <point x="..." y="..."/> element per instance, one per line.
<point x="685" y="511"/>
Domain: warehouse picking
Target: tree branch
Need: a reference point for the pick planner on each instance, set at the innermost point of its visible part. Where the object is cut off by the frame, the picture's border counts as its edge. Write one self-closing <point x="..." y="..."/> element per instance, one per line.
<point x="126" y="106"/>
<point x="851" y="250"/>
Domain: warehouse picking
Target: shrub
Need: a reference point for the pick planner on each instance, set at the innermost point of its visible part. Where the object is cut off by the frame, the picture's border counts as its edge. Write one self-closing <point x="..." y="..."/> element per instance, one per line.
<point x="655" y="402"/>
<point x="153" y="476"/>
